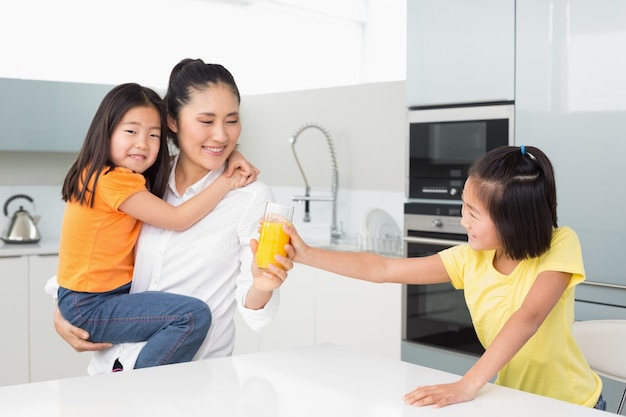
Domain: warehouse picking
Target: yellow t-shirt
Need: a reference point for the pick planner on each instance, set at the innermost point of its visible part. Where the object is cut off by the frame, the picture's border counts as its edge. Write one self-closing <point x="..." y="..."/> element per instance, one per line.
<point x="97" y="243"/>
<point x="550" y="363"/>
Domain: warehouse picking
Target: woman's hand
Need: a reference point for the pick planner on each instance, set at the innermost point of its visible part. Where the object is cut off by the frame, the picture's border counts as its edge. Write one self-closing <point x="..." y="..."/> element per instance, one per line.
<point x="266" y="281"/>
<point x="75" y="337"/>
<point x="273" y="277"/>
<point x="441" y="395"/>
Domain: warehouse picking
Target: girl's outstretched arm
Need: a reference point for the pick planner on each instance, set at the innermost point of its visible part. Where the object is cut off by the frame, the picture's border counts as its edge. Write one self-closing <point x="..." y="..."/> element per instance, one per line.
<point x="369" y="266"/>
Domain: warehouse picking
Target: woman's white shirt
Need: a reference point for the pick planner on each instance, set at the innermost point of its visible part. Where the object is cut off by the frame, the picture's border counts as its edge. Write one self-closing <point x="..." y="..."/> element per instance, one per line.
<point x="210" y="260"/>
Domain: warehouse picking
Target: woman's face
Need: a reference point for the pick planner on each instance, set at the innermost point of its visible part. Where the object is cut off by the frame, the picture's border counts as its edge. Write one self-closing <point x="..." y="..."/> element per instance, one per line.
<point x="481" y="230"/>
<point x="208" y="128"/>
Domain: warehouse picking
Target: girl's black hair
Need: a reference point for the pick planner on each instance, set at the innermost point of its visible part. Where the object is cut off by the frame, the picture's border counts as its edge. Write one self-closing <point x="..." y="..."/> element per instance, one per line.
<point x="191" y="75"/>
<point x="94" y="156"/>
<point x="518" y="188"/>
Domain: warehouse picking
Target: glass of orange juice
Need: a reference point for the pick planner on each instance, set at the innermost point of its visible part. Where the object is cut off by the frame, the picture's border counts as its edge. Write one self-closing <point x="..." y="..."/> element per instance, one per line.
<point x="272" y="239"/>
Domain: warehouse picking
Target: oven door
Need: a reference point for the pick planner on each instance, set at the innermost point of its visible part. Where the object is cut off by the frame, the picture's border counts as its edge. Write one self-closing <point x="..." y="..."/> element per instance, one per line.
<point x="443" y="142"/>
<point x="436" y="314"/>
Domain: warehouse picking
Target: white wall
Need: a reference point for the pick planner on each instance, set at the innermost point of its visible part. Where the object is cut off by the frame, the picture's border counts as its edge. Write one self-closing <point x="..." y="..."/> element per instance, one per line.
<point x="269" y="47"/>
<point x="366" y="124"/>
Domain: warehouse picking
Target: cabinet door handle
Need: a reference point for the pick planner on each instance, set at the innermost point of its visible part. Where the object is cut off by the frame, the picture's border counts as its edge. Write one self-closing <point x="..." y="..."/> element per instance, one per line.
<point x="602" y="284"/>
<point x="432" y="241"/>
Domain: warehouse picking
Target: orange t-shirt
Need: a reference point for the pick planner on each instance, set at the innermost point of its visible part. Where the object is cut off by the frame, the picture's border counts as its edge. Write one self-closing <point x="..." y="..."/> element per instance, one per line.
<point x="96" y="252"/>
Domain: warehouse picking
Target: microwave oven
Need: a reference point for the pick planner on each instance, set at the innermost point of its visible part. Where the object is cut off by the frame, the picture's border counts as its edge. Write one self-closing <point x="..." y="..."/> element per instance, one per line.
<point x="444" y="141"/>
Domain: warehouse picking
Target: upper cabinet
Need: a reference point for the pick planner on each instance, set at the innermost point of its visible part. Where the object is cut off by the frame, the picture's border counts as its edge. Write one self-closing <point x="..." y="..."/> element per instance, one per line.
<point x="571" y="103"/>
<point x="46" y="115"/>
<point x="460" y="51"/>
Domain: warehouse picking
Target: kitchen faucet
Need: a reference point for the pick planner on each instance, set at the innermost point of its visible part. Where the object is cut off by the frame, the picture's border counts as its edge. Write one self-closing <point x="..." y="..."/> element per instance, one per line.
<point x="335" y="231"/>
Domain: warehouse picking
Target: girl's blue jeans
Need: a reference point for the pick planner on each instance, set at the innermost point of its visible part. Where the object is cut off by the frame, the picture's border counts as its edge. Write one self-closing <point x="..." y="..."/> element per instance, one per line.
<point x="601" y="404"/>
<point x="174" y="326"/>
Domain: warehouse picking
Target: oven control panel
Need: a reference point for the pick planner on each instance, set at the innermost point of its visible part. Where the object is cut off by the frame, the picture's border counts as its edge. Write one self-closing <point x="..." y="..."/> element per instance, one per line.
<point x="439" y="189"/>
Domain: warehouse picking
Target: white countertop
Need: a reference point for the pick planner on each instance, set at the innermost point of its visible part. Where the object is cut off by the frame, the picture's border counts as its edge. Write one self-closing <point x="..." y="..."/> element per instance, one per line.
<point x="321" y="380"/>
<point x="43" y="247"/>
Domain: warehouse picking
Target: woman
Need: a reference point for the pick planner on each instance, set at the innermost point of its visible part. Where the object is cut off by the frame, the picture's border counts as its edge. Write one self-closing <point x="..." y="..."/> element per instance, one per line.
<point x="115" y="185"/>
<point x="212" y="260"/>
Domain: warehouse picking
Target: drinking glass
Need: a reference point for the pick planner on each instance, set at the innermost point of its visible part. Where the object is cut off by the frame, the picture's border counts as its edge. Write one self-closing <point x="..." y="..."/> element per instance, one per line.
<point x="273" y="239"/>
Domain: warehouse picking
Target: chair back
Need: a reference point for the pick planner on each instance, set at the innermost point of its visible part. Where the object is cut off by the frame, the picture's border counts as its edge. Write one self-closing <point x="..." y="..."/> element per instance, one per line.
<point x="603" y="343"/>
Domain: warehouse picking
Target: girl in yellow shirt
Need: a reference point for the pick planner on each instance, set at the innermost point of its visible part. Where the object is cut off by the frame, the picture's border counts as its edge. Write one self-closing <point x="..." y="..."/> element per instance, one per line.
<point x="518" y="271"/>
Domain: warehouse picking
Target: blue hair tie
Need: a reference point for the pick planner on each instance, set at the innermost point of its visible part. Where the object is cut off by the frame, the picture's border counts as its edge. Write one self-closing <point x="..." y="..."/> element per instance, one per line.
<point x="524" y="153"/>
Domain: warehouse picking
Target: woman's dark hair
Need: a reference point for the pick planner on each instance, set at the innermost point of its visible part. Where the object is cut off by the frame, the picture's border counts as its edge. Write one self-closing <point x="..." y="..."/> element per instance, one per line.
<point x="94" y="155"/>
<point x="191" y="75"/>
<point x="518" y="188"/>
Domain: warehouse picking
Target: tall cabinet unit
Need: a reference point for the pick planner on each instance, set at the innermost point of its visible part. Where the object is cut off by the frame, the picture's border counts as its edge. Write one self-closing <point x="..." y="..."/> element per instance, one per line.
<point x="460" y="51"/>
<point x="571" y="102"/>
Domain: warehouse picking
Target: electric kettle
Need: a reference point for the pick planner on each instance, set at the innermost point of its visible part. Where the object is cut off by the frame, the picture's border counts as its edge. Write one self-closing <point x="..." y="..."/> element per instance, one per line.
<point x="22" y="227"/>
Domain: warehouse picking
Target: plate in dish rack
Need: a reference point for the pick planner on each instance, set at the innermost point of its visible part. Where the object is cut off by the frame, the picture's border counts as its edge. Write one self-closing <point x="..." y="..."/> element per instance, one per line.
<point x="381" y="232"/>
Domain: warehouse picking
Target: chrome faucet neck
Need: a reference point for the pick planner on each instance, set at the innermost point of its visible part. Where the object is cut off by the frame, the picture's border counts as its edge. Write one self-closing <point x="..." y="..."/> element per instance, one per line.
<point x="335" y="233"/>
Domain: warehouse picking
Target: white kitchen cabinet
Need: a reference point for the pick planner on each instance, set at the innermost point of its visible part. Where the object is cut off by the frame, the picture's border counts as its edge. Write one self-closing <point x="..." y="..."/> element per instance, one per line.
<point x="50" y="356"/>
<point x="317" y="306"/>
<point x="32" y="351"/>
<point x="39" y="115"/>
<point x="14" y="313"/>
<point x="359" y="314"/>
<point x="460" y="51"/>
<point x="294" y="324"/>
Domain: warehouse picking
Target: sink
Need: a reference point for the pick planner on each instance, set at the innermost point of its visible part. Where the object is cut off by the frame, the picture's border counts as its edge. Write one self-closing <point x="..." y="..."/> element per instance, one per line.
<point x="342" y="247"/>
<point x="324" y="243"/>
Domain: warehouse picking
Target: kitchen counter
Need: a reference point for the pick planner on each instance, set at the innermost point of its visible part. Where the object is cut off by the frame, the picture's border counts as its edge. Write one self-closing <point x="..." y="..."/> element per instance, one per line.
<point x="49" y="246"/>
<point x="318" y="380"/>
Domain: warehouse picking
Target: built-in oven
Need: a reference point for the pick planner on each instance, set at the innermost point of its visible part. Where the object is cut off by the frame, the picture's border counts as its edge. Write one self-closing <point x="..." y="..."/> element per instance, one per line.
<point x="443" y="141"/>
<point x="436" y="314"/>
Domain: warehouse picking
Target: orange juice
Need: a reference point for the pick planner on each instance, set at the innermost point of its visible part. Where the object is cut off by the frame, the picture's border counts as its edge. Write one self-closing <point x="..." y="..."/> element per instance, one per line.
<point x="272" y="241"/>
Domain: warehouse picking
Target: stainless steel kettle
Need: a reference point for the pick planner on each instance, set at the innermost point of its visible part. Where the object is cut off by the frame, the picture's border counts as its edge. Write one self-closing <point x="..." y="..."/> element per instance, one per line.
<point x="22" y="227"/>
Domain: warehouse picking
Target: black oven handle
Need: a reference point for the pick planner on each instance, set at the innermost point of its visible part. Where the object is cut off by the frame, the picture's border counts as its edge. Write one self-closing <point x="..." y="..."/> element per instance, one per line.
<point x="433" y="241"/>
